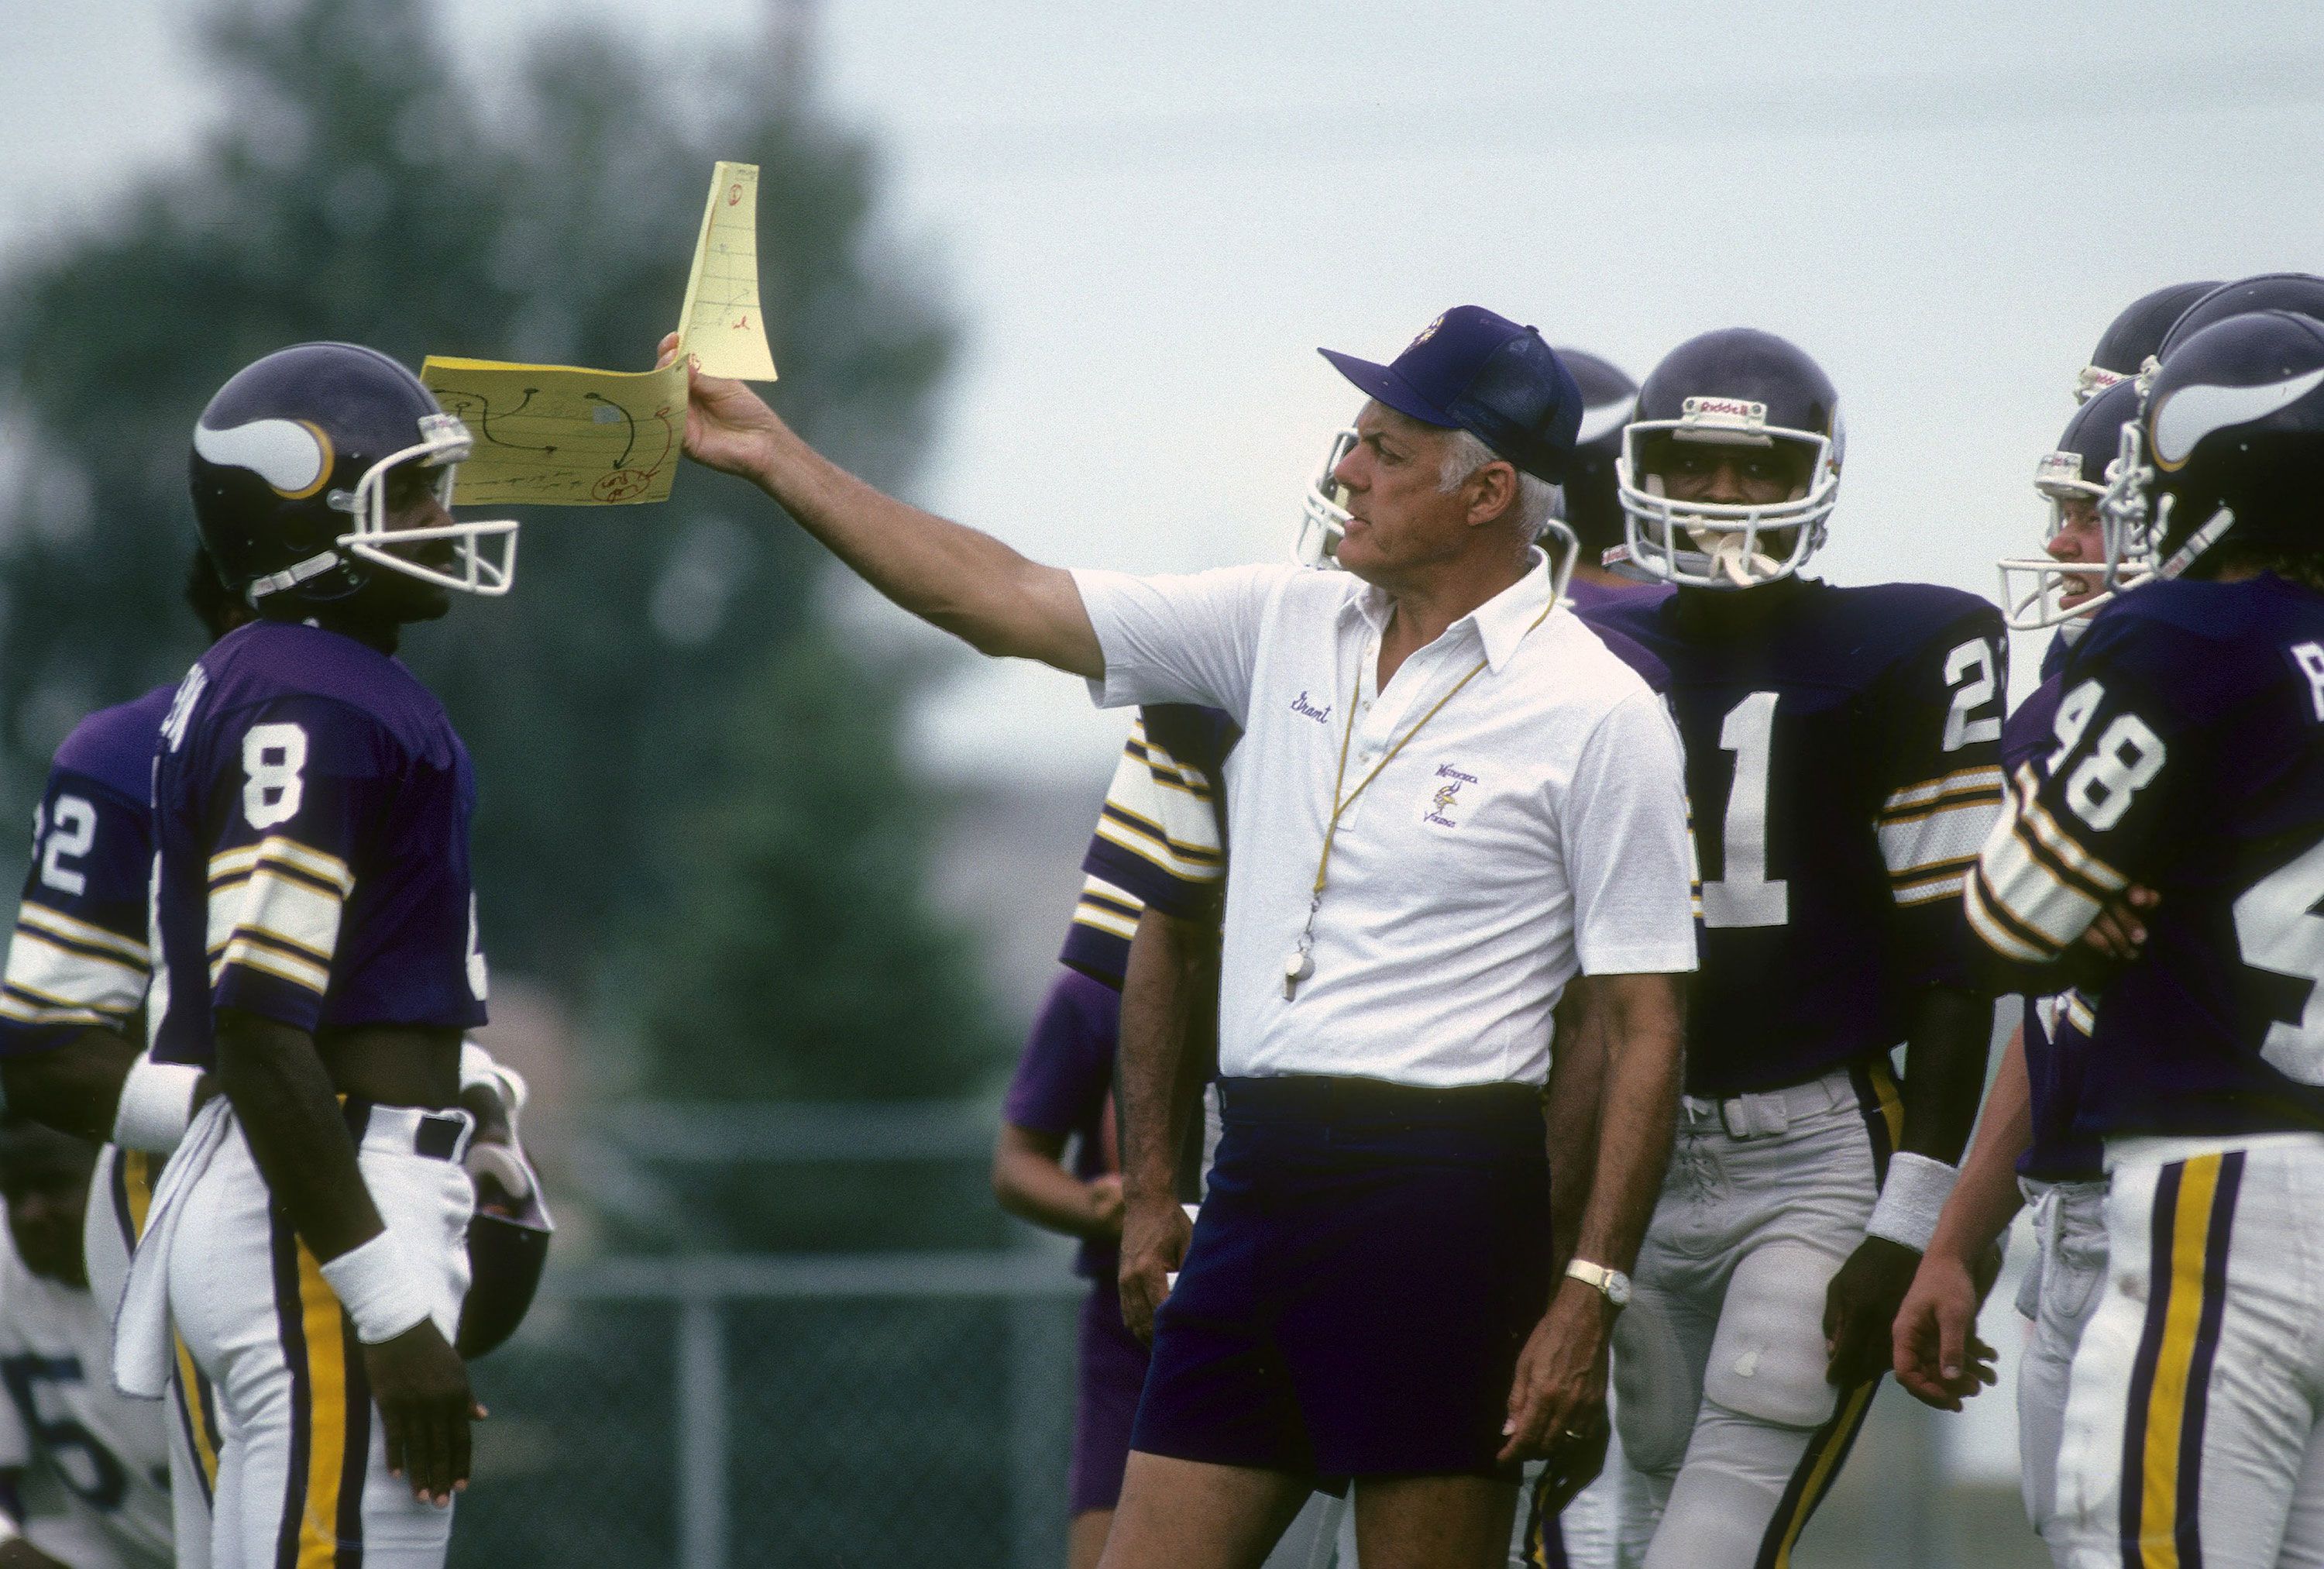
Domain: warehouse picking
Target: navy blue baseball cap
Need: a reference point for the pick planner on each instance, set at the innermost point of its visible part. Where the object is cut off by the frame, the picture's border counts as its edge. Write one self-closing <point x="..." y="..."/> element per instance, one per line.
<point x="1472" y="370"/>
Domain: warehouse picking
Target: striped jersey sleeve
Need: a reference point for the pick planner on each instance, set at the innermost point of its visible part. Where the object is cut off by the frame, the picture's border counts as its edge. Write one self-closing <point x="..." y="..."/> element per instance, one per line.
<point x="1157" y="842"/>
<point x="307" y="781"/>
<point x="78" y="956"/>
<point x="1942" y="787"/>
<point x="2078" y="817"/>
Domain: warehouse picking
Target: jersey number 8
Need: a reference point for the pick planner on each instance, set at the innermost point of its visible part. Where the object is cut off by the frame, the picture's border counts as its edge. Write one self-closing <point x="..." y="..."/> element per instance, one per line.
<point x="272" y="757"/>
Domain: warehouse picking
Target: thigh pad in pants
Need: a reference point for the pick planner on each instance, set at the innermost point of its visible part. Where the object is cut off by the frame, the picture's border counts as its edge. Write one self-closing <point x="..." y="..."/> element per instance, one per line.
<point x="1767" y="1360"/>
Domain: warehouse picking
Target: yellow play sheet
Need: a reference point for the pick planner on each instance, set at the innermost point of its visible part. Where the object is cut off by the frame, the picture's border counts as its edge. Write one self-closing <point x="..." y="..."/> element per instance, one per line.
<point x="565" y="435"/>
<point x="560" y="435"/>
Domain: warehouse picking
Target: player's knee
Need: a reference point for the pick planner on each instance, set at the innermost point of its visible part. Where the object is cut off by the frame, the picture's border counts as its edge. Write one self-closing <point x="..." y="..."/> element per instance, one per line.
<point x="1767" y="1361"/>
<point x="1655" y="1394"/>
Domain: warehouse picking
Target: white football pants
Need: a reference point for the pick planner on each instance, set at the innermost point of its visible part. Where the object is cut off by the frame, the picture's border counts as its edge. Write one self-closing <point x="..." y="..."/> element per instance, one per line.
<point x="2059" y="1294"/>
<point x="120" y="1191"/>
<point x="302" y="1465"/>
<point x="1731" y="1431"/>
<point x="2192" y="1413"/>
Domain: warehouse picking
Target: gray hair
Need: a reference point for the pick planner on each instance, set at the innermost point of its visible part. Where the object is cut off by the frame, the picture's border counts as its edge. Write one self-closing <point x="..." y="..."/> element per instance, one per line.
<point x="1465" y="454"/>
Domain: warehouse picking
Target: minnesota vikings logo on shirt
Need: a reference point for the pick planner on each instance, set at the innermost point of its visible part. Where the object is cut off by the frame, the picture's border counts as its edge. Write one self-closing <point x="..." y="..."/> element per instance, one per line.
<point x="1447" y="796"/>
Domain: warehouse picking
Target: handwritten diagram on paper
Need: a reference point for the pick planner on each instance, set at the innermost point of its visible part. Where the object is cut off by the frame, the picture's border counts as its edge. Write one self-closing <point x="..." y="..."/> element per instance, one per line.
<point x="720" y="324"/>
<point x="561" y="436"/>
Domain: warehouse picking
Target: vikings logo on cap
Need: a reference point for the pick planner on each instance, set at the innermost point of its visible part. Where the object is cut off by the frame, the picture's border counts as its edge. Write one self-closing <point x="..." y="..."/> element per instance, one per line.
<point x="293" y="456"/>
<point x="1426" y="334"/>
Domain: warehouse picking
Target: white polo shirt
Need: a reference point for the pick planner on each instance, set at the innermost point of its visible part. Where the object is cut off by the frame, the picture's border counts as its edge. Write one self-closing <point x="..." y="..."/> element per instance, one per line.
<point x="1534" y="828"/>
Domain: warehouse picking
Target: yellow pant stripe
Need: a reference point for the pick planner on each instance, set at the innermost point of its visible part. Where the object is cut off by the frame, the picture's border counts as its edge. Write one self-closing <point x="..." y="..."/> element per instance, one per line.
<point x="327" y="1416"/>
<point x="2166" y="1403"/>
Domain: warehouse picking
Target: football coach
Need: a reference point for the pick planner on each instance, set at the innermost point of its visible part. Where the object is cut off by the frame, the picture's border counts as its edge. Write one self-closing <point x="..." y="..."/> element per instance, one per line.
<point x="1450" y="801"/>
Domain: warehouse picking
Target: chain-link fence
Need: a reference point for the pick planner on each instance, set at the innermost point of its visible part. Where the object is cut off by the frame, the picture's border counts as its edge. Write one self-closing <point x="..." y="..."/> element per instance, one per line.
<point x="714" y="1411"/>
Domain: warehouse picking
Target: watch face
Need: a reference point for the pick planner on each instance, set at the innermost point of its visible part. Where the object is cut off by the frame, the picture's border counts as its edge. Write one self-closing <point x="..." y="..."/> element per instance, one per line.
<point x="1617" y="1289"/>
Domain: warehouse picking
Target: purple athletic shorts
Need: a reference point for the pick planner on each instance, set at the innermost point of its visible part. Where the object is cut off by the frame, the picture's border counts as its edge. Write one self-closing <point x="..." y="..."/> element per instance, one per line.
<point x="1113" y="1372"/>
<point x="1368" y="1262"/>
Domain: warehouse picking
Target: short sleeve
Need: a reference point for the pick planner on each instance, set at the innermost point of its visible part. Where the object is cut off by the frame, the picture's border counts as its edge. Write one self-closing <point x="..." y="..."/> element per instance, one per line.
<point x="302" y="784"/>
<point x="1941" y="774"/>
<point x="2081" y="817"/>
<point x="78" y="956"/>
<point x="1179" y="639"/>
<point x="1628" y="857"/>
<point x="1062" y="1077"/>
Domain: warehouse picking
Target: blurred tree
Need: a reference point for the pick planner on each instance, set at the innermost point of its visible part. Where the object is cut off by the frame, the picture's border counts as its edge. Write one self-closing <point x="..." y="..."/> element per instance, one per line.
<point x="693" y="814"/>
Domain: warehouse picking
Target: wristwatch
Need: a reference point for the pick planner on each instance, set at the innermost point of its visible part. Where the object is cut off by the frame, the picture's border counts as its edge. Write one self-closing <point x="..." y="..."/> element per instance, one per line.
<point x="1610" y="1284"/>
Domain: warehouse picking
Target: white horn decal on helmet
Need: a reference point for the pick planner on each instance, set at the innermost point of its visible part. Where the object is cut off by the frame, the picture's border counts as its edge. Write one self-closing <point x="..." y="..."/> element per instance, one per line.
<point x="2193" y="412"/>
<point x="1602" y="418"/>
<point x="289" y="454"/>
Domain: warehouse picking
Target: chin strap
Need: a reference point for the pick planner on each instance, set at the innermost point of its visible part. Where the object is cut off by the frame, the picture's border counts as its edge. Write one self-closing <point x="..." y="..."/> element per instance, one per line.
<point x="292" y="577"/>
<point x="2200" y="541"/>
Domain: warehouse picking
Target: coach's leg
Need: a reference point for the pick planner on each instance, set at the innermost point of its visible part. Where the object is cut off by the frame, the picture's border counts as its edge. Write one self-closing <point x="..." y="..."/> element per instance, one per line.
<point x="1188" y="1514"/>
<point x="1433" y="1522"/>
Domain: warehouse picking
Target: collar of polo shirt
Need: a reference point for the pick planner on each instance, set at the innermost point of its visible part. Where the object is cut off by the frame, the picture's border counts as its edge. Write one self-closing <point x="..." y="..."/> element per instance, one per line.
<point x="1501" y="623"/>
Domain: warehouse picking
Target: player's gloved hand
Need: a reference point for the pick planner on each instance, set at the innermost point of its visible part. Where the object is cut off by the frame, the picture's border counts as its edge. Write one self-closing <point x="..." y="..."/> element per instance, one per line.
<point x="421" y="1389"/>
<point x="1557" y="1400"/>
<point x="2120" y="930"/>
<point x="1154" y="1237"/>
<point x="727" y="426"/>
<point x="1859" y="1310"/>
<point x="1934" y="1348"/>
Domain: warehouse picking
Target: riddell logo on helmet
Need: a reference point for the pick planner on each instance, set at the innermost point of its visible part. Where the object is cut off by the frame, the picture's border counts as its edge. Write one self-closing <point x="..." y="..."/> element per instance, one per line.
<point x="1724" y="408"/>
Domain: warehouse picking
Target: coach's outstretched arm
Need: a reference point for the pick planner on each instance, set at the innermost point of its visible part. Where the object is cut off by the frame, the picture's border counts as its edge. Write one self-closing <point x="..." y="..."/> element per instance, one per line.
<point x="950" y="576"/>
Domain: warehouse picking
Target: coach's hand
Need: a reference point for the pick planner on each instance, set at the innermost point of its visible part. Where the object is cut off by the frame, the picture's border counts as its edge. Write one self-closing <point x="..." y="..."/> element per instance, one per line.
<point x="1557" y="1401"/>
<point x="1859" y="1309"/>
<point x="728" y="426"/>
<point x="1154" y="1237"/>
<point x="1938" y="1357"/>
<point x="421" y="1388"/>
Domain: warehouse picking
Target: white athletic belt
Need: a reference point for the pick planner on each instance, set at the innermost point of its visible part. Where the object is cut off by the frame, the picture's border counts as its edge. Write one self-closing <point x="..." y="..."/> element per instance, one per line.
<point x="142" y="1329"/>
<point x="1764" y="1114"/>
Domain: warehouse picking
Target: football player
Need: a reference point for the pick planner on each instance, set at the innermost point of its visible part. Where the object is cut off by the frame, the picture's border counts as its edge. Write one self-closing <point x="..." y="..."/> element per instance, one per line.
<point x="2186" y="758"/>
<point x="2026" y="1139"/>
<point x="318" y="954"/>
<point x="2134" y="336"/>
<point x="1158" y="846"/>
<point x="1841" y="764"/>
<point x="1589" y="503"/>
<point x="62" y="1412"/>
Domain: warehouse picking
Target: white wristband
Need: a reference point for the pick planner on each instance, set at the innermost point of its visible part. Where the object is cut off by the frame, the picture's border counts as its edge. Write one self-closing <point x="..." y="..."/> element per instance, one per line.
<point x="1911" y="1200"/>
<point x="374" y="1283"/>
<point x="157" y="1102"/>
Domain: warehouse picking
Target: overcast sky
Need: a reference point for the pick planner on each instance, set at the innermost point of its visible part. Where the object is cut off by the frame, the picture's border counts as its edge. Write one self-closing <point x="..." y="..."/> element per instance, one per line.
<point x="1149" y="217"/>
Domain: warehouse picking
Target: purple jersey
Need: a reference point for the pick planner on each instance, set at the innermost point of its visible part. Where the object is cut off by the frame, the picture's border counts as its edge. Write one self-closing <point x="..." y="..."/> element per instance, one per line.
<point x="311" y="809"/>
<point x="1160" y="838"/>
<point x="1842" y="761"/>
<point x="2187" y="756"/>
<point x="78" y="956"/>
<point x="1064" y="1084"/>
<point x="2056" y="1045"/>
